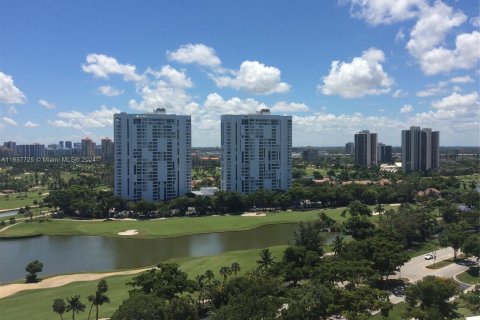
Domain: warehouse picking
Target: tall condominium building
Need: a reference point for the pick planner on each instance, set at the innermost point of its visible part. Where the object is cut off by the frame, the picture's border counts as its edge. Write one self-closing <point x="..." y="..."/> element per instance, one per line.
<point x="11" y="145"/>
<point x="420" y="149"/>
<point x="384" y="153"/>
<point x="31" y="150"/>
<point x="152" y="155"/>
<point x="310" y="154"/>
<point x="256" y="152"/>
<point x="107" y="149"/>
<point x="88" y="148"/>
<point x="349" y="148"/>
<point x="61" y="144"/>
<point x="365" y="149"/>
<point x="68" y="144"/>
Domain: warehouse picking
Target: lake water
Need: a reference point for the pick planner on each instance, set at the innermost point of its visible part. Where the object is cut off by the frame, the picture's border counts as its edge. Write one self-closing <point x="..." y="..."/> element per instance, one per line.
<point x="8" y="213"/>
<point x="72" y="254"/>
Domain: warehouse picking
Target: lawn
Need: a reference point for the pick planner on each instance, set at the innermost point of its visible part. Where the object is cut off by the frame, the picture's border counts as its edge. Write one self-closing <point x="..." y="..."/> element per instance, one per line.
<point x="439" y="264"/>
<point x="424" y="248"/>
<point x="20" y="199"/>
<point x="163" y="228"/>
<point x="470" y="276"/>
<point x="150" y="229"/>
<point x="36" y="304"/>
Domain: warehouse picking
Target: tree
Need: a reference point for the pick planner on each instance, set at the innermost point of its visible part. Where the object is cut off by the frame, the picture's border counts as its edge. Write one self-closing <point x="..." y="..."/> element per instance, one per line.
<point x="308" y="236"/>
<point x="59" y="307"/>
<point x="453" y="235"/>
<point x="99" y="297"/>
<point x="471" y="246"/>
<point x="141" y="306"/>
<point x="359" y="227"/>
<point x="33" y="268"/>
<point x="75" y="305"/>
<point x="266" y="260"/>
<point x="165" y="282"/>
<point x="181" y="309"/>
<point x="225" y="272"/>
<point x="337" y="245"/>
<point x="356" y="208"/>
<point x="235" y="267"/>
<point x="428" y="299"/>
<point x="209" y="275"/>
<point x="472" y="299"/>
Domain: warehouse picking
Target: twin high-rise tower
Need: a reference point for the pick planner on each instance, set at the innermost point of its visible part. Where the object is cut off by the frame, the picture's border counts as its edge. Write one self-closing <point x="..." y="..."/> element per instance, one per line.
<point x="153" y="154"/>
<point x="420" y="149"/>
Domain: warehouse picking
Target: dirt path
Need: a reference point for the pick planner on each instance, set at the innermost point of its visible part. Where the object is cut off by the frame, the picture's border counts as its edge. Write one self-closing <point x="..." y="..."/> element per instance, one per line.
<point x="10" y="289"/>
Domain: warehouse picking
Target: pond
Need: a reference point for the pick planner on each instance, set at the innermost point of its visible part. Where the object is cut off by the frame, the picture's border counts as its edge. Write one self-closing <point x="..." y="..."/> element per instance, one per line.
<point x="9" y="213"/>
<point x="73" y="254"/>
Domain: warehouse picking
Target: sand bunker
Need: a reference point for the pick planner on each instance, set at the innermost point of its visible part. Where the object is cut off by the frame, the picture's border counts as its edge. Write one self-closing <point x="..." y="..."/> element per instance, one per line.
<point x="131" y="232"/>
<point x="253" y="214"/>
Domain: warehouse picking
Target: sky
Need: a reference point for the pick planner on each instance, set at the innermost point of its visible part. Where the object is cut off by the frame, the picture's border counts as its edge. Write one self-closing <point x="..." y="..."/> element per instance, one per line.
<point x="337" y="67"/>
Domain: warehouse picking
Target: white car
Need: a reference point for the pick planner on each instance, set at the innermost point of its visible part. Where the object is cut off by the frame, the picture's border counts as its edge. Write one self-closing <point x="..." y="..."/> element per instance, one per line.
<point x="428" y="256"/>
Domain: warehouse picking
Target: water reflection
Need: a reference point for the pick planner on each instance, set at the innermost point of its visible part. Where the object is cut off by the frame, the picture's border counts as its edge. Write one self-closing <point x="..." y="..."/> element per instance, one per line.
<point x="71" y="254"/>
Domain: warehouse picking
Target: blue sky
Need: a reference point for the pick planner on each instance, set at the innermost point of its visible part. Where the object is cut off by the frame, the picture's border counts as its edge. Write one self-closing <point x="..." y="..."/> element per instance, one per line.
<point x="336" y="66"/>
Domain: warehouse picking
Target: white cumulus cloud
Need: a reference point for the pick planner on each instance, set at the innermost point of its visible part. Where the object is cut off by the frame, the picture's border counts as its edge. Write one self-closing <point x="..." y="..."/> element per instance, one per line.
<point x="195" y="53"/>
<point x="383" y="11"/>
<point x="102" y="66"/>
<point x="289" y="107"/>
<point x="9" y="93"/>
<point x="364" y="75"/>
<point x="110" y="91"/>
<point x="255" y="78"/>
<point x="46" y="104"/>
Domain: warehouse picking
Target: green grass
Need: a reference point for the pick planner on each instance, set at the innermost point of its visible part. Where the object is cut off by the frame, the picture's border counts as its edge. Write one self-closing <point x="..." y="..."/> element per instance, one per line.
<point x="36" y="304"/>
<point x="13" y="201"/>
<point x="164" y="228"/>
<point x="470" y="276"/>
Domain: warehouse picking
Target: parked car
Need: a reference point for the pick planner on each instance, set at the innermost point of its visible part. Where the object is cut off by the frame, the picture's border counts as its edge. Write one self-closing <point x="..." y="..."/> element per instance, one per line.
<point x="428" y="256"/>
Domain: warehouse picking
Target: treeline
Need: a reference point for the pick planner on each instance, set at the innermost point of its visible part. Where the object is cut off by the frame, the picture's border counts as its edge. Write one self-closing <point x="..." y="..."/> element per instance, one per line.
<point x="80" y="198"/>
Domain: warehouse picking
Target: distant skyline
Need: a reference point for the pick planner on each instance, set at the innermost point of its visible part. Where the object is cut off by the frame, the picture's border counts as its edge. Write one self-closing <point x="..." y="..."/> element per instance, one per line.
<point x="337" y="67"/>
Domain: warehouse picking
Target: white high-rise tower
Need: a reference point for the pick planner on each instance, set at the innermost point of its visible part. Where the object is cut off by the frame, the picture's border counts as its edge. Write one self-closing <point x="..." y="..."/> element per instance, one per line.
<point x="152" y="155"/>
<point x="256" y="152"/>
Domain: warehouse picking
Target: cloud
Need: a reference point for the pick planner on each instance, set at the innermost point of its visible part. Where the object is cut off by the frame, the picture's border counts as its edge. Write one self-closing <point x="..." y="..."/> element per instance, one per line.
<point x="11" y="111"/>
<point x="195" y="53"/>
<point x="454" y="115"/>
<point x="216" y="105"/>
<point x="377" y="12"/>
<point x="399" y="93"/>
<point x="335" y="129"/>
<point x="475" y="21"/>
<point x="110" y="91"/>
<point x="10" y="121"/>
<point x="464" y="79"/>
<point x="255" y="78"/>
<point x="292" y="107"/>
<point x="399" y="36"/>
<point x="364" y="75"/>
<point x="9" y="93"/>
<point x="102" y="66"/>
<point x="465" y="55"/>
<point x="78" y="120"/>
<point x="433" y="89"/>
<point x="46" y="104"/>
<point x="406" y="108"/>
<point x="167" y="90"/>
<point x="30" y="124"/>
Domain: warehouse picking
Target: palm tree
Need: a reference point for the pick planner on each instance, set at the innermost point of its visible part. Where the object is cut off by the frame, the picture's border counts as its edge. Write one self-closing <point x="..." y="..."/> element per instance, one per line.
<point x="75" y="305"/>
<point x="225" y="272"/>
<point x="201" y="286"/>
<point x="266" y="259"/>
<point x="59" y="307"/>
<point x="99" y="297"/>
<point x="235" y="267"/>
<point x="209" y="275"/>
<point x="337" y="245"/>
